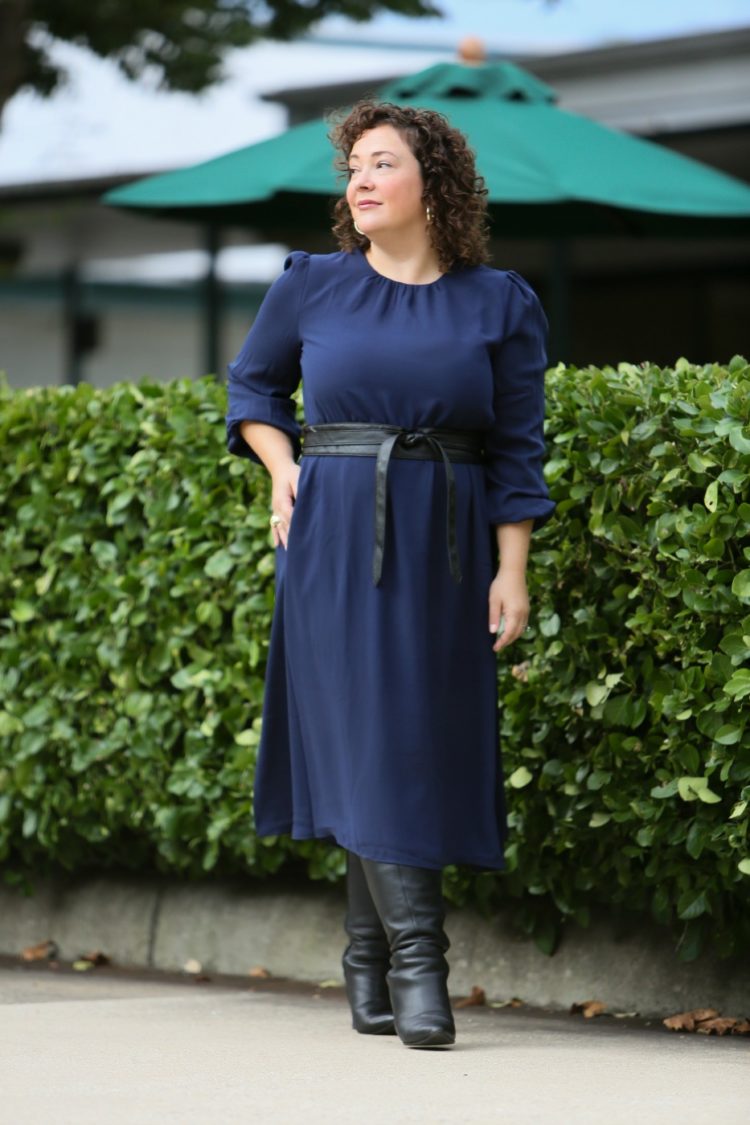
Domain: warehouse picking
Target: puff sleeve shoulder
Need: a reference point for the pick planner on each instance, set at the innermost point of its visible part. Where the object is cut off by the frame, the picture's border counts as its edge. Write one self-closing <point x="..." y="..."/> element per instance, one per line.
<point x="516" y="489"/>
<point x="266" y="372"/>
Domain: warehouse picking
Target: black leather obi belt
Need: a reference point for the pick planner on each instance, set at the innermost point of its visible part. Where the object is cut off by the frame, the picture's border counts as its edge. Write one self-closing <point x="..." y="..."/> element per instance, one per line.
<point x="365" y="439"/>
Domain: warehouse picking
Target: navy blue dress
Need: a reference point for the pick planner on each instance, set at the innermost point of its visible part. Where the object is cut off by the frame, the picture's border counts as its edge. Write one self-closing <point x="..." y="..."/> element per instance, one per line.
<point x="380" y="718"/>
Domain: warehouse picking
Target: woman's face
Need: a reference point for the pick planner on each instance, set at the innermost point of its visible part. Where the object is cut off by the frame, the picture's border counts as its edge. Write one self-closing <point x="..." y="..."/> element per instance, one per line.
<point x="385" y="186"/>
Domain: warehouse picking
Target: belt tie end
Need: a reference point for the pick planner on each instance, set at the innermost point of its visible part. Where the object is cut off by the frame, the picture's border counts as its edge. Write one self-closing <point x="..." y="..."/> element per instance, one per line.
<point x="409" y="439"/>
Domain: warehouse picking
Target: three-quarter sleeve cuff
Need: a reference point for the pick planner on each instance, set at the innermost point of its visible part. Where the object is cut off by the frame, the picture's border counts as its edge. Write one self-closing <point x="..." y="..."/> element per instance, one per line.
<point x="247" y="406"/>
<point x="515" y="509"/>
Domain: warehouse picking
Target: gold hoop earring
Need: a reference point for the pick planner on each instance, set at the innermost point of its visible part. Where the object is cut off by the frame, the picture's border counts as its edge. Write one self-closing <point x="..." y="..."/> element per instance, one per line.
<point x="428" y="215"/>
<point x="359" y="231"/>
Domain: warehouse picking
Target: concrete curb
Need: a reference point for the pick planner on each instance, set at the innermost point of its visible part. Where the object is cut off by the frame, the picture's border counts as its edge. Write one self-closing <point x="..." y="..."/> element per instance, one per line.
<point x="232" y="926"/>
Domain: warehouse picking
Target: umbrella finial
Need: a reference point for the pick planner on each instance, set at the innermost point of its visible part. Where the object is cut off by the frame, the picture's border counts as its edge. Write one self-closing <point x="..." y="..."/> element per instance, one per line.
<point x="472" y="51"/>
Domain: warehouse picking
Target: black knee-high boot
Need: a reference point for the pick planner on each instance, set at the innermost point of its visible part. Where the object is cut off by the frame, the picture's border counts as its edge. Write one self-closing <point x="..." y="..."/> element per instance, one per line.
<point x="366" y="959"/>
<point x="409" y="901"/>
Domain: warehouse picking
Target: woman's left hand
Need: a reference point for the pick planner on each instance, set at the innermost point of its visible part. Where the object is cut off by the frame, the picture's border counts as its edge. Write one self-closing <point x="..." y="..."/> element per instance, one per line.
<point x="509" y="600"/>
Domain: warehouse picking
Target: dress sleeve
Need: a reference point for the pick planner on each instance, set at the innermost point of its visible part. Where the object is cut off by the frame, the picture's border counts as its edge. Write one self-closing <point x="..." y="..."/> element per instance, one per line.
<point x="266" y="372"/>
<point x="516" y="488"/>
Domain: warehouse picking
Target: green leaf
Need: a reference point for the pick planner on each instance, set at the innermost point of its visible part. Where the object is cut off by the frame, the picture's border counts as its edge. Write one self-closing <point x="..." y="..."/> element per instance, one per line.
<point x="549" y="626"/>
<point x="121" y="501"/>
<point x="661" y="792"/>
<point x="693" y="940"/>
<point x="728" y="735"/>
<point x="596" y="693"/>
<point x="714" y="548"/>
<point x="208" y="613"/>
<point x="696" y="839"/>
<point x="267" y="565"/>
<point x="696" y="788"/>
<point x="43" y="583"/>
<point x="739" y="685"/>
<point x="219" y="564"/>
<point x="9" y="724"/>
<point x="247" y="737"/>
<point x="735" y="644"/>
<point x="38" y="714"/>
<point x="711" y="496"/>
<point x="738" y="440"/>
<point x="691" y="904"/>
<point x="698" y="463"/>
<point x="744" y="866"/>
<point x="22" y="611"/>
<point x="520" y="777"/>
<point x="546" y="936"/>
<point x="741" y="584"/>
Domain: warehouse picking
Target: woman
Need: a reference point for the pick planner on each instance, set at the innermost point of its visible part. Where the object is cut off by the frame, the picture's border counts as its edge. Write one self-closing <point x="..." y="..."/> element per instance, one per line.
<point x="401" y="542"/>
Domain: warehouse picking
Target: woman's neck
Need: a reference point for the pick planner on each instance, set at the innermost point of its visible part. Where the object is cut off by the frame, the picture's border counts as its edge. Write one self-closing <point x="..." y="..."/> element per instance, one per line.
<point x="413" y="264"/>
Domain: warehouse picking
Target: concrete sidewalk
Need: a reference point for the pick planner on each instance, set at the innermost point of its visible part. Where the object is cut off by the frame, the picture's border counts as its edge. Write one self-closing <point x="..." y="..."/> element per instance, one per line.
<point x="296" y="931"/>
<point x="81" y="1049"/>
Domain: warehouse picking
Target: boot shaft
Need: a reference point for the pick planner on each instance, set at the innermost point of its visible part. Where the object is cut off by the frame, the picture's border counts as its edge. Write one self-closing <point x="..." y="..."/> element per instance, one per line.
<point x="409" y="902"/>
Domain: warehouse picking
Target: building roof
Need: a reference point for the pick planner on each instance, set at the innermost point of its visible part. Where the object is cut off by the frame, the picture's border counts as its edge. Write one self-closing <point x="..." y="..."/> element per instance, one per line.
<point x="654" y="87"/>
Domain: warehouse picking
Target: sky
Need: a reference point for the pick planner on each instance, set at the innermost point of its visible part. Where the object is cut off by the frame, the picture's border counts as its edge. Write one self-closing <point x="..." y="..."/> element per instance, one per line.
<point x="539" y="25"/>
<point x="100" y="123"/>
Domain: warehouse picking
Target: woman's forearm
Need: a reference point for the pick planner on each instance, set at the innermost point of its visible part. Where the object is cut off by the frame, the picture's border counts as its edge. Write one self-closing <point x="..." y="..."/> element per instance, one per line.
<point x="513" y="541"/>
<point x="272" y="445"/>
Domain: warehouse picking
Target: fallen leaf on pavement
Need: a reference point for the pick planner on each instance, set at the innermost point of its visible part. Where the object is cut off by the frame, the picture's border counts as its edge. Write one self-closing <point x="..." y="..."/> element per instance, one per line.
<point x="41" y="952"/>
<point x="330" y="984"/>
<point x="686" y="1021"/>
<point x="192" y="966"/>
<point x="96" y="958"/>
<point x="475" y="1000"/>
<point x="589" y="1008"/>
<point x="258" y="971"/>
<point x="720" y="1025"/>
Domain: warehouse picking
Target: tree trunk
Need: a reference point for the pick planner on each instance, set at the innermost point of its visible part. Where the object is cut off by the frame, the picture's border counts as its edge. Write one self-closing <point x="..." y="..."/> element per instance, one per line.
<point x="14" y="25"/>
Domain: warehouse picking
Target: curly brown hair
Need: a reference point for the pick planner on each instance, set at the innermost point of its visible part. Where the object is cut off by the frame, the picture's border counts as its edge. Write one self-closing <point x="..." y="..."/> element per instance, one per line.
<point x="454" y="192"/>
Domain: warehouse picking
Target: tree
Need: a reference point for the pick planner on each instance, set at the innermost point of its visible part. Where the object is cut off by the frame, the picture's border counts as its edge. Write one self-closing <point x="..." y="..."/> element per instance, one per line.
<point x="182" y="42"/>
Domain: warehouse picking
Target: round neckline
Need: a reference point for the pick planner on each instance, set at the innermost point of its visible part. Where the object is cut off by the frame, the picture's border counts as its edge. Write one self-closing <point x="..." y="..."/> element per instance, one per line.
<point x="405" y="284"/>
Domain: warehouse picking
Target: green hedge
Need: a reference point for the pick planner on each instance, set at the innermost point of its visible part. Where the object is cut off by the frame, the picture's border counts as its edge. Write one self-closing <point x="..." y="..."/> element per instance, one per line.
<point x="136" y="595"/>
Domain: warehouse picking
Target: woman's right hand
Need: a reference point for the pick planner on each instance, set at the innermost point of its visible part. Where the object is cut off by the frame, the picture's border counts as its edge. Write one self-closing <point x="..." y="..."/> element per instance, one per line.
<point x="283" y="495"/>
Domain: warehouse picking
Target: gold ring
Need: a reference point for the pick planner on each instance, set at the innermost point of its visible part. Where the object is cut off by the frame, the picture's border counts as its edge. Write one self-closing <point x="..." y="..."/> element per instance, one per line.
<point x="275" y="519"/>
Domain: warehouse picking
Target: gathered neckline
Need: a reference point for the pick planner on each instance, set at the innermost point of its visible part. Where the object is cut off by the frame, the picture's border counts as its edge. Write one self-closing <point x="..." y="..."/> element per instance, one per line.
<point x="406" y="284"/>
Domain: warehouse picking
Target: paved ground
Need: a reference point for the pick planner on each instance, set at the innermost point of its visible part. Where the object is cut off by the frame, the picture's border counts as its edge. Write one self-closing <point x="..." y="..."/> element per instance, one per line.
<point x="110" y="1048"/>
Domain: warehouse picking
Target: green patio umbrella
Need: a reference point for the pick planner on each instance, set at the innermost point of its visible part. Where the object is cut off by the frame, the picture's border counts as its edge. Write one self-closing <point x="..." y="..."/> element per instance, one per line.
<point x="550" y="173"/>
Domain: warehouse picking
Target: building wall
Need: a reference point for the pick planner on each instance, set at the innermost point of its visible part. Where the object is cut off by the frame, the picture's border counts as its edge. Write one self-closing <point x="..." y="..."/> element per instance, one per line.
<point x="137" y="338"/>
